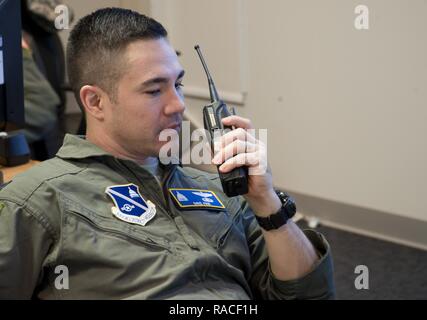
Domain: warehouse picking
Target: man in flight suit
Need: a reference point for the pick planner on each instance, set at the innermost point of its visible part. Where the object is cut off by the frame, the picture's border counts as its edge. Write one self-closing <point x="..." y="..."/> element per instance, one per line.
<point x="125" y="226"/>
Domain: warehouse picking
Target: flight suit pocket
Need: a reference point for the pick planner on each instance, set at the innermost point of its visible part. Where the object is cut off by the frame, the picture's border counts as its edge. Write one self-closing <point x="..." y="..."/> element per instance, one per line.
<point x="229" y="238"/>
<point x="109" y="258"/>
<point x="75" y="213"/>
<point x="226" y="224"/>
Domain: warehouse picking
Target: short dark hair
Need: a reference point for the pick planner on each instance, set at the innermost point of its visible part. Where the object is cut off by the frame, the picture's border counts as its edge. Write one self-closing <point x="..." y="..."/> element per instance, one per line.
<point x="96" y="42"/>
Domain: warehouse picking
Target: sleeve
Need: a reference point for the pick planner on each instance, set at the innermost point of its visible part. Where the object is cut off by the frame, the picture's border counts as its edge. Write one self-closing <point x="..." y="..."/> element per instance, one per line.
<point x="318" y="284"/>
<point x="24" y="243"/>
<point x="40" y="101"/>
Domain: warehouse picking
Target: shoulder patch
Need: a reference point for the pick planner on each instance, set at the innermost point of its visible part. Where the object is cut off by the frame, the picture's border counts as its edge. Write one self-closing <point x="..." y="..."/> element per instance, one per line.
<point x="130" y="206"/>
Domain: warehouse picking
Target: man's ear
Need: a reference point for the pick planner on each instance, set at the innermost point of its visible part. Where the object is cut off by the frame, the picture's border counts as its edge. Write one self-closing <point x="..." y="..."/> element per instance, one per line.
<point x="93" y="100"/>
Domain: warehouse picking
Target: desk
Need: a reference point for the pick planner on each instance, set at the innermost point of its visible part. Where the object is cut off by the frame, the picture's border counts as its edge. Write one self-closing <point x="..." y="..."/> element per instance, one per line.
<point x="10" y="172"/>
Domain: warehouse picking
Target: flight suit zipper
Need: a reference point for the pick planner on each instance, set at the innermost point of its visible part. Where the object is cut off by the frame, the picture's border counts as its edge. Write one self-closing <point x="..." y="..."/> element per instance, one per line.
<point x="179" y="221"/>
<point x="162" y="203"/>
<point x="176" y="220"/>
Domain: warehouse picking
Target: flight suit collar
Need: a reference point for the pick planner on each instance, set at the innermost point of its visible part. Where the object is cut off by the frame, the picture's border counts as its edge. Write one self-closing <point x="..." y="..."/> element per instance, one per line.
<point x="77" y="148"/>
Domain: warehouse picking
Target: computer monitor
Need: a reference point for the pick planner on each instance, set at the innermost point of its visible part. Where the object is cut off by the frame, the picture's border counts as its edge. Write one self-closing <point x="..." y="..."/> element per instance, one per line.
<point x="13" y="146"/>
<point x="11" y="78"/>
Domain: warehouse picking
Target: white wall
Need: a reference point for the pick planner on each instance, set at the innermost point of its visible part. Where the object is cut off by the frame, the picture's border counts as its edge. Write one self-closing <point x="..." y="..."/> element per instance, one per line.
<point x="346" y="109"/>
<point x="84" y="7"/>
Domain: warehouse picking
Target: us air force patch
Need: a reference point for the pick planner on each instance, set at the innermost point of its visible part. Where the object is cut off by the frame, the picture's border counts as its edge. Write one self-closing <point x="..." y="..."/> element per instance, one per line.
<point x="130" y="206"/>
<point x="194" y="198"/>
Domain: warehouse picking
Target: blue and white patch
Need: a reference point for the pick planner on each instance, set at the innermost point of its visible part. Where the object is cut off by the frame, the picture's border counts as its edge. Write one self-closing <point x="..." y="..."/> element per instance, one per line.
<point x="130" y="206"/>
<point x="195" y="198"/>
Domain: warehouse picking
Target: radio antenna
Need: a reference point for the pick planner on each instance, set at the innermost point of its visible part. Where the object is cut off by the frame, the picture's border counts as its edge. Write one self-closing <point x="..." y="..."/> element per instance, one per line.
<point x="212" y="88"/>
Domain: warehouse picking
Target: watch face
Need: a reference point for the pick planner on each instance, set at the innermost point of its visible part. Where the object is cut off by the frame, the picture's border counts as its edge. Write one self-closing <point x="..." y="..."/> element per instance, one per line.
<point x="289" y="203"/>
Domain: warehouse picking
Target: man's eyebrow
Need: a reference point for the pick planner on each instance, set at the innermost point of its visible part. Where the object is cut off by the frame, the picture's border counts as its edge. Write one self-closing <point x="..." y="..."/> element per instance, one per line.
<point x="160" y="80"/>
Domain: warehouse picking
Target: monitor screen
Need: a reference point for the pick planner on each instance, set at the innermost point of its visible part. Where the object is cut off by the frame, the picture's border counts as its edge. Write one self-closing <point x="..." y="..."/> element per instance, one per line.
<point x="11" y="78"/>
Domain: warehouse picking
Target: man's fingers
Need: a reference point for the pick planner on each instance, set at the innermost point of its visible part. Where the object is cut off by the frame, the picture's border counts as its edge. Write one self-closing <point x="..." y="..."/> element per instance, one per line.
<point x="232" y="149"/>
<point x="237" y="122"/>
<point x="237" y="134"/>
<point x="242" y="159"/>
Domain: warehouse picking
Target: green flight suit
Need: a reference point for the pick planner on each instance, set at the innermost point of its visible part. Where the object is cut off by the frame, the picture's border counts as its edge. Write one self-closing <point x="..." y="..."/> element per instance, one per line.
<point x="40" y="101"/>
<point x="58" y="214"/>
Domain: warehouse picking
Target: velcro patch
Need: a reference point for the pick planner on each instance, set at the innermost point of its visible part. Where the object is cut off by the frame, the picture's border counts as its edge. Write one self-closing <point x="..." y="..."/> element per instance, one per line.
<point x="195" y="198"/>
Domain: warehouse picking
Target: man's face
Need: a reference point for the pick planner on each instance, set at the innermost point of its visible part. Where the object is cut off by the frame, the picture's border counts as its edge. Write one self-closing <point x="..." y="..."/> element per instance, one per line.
<point x="149" y="98"/>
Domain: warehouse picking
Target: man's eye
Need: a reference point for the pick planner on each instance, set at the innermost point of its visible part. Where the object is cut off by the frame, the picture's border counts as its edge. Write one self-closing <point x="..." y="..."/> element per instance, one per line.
<point x="153" y="92"/>
<point x="179" y="85"/>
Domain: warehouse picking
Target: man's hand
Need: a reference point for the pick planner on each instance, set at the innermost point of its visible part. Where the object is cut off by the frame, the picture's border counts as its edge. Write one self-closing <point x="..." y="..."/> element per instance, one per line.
<point x="24" y="44"/>
<point x="240" y="148"/>
<point x="290" y="252"/>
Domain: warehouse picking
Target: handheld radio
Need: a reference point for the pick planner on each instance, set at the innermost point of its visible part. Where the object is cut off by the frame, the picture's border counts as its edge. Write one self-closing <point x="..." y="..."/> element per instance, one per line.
<point x="235" y="182"/>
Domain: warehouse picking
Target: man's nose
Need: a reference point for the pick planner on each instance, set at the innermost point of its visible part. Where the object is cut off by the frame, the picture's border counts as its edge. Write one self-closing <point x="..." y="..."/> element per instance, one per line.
<point x="175" y="103"/>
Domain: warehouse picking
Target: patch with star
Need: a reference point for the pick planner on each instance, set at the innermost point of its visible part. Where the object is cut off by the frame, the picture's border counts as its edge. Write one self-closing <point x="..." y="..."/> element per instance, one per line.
<point x="129" y="205"/>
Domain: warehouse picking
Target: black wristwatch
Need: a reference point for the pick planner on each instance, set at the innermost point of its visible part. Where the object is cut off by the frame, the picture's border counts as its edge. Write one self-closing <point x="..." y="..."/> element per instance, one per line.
<point x="286" y="212"/>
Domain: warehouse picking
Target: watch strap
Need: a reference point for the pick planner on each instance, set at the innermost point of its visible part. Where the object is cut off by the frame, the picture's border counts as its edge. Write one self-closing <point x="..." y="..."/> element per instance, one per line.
<point x="277" y="220"/>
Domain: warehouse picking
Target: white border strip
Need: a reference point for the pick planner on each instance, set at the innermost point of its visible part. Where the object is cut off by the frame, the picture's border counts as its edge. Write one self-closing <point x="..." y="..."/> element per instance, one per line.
<point x="236" y="98"/>
<point x="370" y="234"/>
